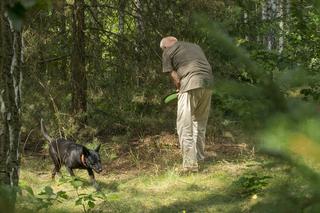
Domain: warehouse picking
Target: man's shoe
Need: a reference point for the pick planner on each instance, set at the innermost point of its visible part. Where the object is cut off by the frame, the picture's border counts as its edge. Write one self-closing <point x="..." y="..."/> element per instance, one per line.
<point x="190" y="170"/>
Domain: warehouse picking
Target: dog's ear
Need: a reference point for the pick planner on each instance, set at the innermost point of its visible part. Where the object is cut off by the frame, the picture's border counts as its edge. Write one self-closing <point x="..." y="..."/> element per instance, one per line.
<point x="85" y="151"/>
<point x="98" y="148"/>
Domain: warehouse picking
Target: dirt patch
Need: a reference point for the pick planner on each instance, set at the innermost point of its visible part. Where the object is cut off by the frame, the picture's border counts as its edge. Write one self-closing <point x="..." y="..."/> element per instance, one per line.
<point x="162" y="151"/>
<point x="154" y="152"/>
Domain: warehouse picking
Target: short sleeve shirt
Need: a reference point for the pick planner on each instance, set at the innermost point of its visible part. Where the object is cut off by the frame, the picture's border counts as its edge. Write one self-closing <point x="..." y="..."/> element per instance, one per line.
<point x="191" y="64"/>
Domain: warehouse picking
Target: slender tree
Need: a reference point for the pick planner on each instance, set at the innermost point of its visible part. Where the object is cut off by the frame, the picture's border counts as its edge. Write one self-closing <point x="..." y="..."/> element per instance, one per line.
<point x="78" y="64"/>
<point x="10" y="101"/>
<point x="121" y="11"/>
<point x="139" y="39"/>
<point x="96" y="46"/>
<point x="281" y="24"/>
<point x="63" y="28"/>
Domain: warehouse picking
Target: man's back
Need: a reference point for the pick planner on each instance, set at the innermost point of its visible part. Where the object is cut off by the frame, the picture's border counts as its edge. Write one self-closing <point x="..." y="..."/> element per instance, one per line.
<point x="190" y="63"/>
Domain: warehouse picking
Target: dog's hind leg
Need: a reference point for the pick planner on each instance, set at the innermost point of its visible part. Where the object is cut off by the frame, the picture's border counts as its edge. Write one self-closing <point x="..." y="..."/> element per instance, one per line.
<point x="55" y="171"/>
<point x="56" y="162"/>
<point x="57" y="165"/>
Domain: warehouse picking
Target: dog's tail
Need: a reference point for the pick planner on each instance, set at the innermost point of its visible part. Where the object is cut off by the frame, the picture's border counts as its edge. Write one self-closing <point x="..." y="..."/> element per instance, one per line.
<point x="43" y="130"/>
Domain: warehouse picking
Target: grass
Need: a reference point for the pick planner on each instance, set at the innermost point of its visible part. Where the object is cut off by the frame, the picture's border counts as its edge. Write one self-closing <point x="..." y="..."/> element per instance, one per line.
<point x="155" y="185"/>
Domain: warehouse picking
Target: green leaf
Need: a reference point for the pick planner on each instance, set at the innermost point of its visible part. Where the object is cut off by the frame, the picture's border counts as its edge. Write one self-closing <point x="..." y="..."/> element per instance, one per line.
<point x="79" y="202"/>
<point x="89" y="198"/>
<point x="62" y="194"/>
<point x="113" y="197"/>
<point x="100" y="195"/>
<point x="317" y="3"/>
<point x="29" y="190"/>
<point x="49" y="190"/>
<point x="91" y="204"/>
<point x="77" y="183"/>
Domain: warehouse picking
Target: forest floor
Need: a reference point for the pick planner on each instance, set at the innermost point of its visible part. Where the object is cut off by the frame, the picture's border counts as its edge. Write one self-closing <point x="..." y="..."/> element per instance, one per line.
<point x="143" y="175"/>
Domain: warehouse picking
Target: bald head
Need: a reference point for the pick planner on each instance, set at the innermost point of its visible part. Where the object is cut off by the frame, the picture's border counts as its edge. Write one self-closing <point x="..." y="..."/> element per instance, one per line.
<point x="167" y="42"/>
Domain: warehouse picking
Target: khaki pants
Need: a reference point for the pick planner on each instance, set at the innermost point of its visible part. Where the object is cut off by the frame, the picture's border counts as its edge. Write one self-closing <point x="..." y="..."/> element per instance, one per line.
<point x="192" y="117"/>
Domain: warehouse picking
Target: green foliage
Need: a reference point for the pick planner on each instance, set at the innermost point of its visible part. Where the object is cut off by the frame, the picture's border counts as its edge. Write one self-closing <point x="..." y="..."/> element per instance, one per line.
<point x="86" y="201"/>
<point x="7" y="197"/>
<point x="250" y="184"/>
<point x="273" y="94"/>
<point x="43" y="200"/>
<point x="47" y="197"/>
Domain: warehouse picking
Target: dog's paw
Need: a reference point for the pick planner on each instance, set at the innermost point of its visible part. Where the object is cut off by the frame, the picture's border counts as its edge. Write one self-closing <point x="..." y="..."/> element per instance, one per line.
<point x="97" y="186"/>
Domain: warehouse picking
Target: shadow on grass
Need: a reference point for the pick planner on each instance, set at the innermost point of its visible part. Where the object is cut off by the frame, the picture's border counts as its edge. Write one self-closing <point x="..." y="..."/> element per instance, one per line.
<point x="290" y="196"/>
<point x="215" y="202"/>
<point x="110" y="187"/>
<point x="202" y="205"/>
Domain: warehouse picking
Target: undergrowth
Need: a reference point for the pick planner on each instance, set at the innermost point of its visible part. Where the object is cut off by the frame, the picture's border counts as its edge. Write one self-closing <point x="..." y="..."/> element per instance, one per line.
<point x="143" y="175"/>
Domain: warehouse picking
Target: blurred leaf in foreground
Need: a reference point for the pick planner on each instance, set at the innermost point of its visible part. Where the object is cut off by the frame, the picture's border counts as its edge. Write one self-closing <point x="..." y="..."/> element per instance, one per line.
<point x="17" y="12"/>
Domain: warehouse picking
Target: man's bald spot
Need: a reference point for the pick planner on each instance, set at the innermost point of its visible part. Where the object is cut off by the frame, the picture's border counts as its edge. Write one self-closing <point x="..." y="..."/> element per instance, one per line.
<point x="167" y="42"/>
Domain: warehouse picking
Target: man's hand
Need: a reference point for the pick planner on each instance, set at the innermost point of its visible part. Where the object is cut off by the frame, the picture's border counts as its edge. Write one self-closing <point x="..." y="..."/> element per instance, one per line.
<point x="176" y="80"/>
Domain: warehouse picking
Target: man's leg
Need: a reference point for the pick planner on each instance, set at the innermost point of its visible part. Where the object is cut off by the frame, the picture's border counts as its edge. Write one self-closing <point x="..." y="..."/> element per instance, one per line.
<point x="185" y="132"/>
<point x="202" y="104"/>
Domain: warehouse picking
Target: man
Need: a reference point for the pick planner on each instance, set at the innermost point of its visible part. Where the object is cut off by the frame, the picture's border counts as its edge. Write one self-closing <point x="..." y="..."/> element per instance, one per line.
<point x="192" y="75"/>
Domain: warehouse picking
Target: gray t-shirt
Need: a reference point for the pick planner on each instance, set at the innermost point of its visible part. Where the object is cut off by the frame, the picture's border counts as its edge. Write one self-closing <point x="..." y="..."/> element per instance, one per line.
<point x="190" y="63"/>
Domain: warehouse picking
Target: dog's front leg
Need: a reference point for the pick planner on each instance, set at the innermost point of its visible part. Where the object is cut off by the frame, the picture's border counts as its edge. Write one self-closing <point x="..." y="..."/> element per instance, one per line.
<point x="70" y="171"/>
<point x="93" y="180"/>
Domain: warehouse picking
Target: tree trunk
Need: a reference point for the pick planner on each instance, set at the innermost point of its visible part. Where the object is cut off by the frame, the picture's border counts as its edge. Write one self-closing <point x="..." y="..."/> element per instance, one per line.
<point x="122" y="7"/>
<point x="139" y="42"/>
<point x="78" y="66"/>
<point x="245" y="21"/>
<point x="10" y="102"/>
<point x="249" y="29"/>
<point x="268" y="15"/>
<point x="139" y="19"/>
<point x="97" y="47"/>
<point x="281" y="6"/>
<point x="64" y="42"/>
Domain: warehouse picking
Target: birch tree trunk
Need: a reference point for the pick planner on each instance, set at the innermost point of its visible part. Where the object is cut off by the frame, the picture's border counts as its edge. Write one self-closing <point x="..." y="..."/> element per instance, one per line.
<point x="271" y="38"/>
<point x="275" y="12"/>
<point x="281" y="25"/>
<point x="245" y="21"/>
<point x="78" y="66"/>
<point x="284" y="15"/>
<point x="268" y="15"/>
<point x="10" y="105"/>
<point x="250" y="11"/>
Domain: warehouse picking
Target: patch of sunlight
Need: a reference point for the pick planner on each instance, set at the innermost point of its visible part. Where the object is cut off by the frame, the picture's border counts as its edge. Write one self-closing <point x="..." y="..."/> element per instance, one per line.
<point x="147" y="191"/>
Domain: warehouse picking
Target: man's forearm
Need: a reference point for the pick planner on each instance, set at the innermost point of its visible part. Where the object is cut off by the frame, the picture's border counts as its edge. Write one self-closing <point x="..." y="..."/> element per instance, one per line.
<point x="175" y="78"/>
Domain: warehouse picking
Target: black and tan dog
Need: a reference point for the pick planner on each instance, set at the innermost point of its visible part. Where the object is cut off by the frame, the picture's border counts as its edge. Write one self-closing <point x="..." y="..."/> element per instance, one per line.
<point x="73" y="156"/>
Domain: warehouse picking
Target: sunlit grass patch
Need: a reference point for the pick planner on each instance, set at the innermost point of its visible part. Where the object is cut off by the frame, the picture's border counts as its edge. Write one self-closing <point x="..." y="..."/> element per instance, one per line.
<point x="149" y="192"/>
<point x="153" y="185"/>
<point x="138" y="191"/>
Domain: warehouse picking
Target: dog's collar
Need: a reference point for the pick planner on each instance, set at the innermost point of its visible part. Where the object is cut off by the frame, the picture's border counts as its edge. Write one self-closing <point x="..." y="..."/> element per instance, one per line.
<point x="83" y="160"/>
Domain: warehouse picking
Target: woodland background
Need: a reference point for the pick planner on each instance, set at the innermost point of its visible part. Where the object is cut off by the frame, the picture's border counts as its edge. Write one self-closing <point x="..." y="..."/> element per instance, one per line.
<point x="92" y="71"/>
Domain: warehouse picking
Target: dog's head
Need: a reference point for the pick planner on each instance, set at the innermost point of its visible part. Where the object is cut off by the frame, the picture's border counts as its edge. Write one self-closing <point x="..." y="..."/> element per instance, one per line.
<point x="93" y="159"/>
